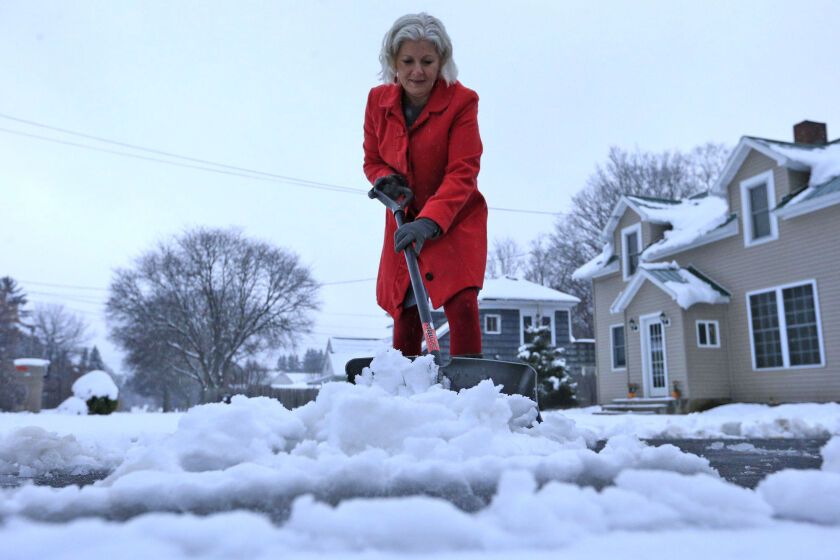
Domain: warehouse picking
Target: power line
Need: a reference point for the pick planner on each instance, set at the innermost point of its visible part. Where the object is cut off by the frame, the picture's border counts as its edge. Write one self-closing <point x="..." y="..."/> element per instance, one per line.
<point x="50" y="285"/>
<point x="234" y="170"/>
<point x="297" y="182"/>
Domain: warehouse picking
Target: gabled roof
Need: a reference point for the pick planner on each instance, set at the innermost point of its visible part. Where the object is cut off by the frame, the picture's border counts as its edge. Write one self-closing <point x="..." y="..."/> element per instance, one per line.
<point x="693" y="221"/>
<point x="822" y="161"/>
<point x="642" y="205"/>
<point x="810" y="198"/>
<point x="340" y="350"/>
<point x="686" y="286"/>
<point x="518" y="289"/>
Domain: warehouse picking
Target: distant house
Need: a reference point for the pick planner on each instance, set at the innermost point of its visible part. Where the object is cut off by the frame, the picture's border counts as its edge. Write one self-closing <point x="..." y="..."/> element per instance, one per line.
<point x="729" y="296"/>
<point x="507" y="307"/>
<point x="340" y="350"/>
<point x="289" y="380"/>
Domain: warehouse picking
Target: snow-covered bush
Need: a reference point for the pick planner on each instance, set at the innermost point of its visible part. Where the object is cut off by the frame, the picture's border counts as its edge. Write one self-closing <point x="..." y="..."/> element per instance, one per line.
<point x="73" y="406"/>
<point x="98" y="390"/>
<point x="554" y="386"/>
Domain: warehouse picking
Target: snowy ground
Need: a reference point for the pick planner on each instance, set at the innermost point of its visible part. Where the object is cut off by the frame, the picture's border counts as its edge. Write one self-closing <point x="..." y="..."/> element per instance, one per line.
<point x="400" y="467"/>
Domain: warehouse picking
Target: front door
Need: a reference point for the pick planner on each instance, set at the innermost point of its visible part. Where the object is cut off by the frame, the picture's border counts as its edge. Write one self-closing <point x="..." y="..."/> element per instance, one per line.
<point x="654" y="360"/>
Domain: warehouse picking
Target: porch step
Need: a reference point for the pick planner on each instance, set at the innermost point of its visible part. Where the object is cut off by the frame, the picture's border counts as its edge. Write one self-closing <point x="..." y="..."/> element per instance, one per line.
<point x="639" y="406"/>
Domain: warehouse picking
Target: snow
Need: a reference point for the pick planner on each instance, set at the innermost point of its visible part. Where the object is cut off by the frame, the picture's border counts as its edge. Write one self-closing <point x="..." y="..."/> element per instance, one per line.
<point x="397" y="467"/>
<point x="31" y="362"/>
<point x="824" y="162"/>
<point x="694" y="290"/>
<point x="691" y="219"/>
<point x="96" y="383"/>
<point x="73" y="405"/>
<point x="508" y="288"/>
<point x="594" y="265"/>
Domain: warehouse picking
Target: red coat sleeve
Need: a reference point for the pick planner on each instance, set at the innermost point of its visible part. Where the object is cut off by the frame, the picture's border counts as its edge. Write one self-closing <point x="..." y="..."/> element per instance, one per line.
<point x="460" y="181"/>
<point x="374" y="167"/>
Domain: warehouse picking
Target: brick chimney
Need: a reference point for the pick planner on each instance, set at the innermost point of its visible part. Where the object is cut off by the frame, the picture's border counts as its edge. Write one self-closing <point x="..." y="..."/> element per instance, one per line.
<point x="810" y="132"/>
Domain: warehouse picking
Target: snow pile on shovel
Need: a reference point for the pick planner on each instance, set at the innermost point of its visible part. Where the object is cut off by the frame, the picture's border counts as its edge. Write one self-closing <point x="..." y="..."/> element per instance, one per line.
<point x="397" y="433"/>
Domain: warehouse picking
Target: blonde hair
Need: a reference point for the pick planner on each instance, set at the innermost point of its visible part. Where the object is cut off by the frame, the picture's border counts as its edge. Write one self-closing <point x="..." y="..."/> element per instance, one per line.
<point x="417" y="27"/>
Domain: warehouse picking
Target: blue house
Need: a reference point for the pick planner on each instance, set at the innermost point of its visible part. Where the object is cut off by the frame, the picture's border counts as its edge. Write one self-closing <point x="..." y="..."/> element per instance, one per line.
<point x="508" y="306"/>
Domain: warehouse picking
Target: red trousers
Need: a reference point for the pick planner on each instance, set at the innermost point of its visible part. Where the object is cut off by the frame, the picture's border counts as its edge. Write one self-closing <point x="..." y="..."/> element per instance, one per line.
<point x="464" y="329"/>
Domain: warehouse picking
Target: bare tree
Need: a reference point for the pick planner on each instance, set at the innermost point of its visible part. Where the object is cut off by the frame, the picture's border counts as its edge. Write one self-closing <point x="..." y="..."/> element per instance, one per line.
<point x="506" y="258"/>
<point x="251" y="374"/>
<point x="577" y="234"/>
<point x="206" y="300"/>
<point x="60" y="331"/>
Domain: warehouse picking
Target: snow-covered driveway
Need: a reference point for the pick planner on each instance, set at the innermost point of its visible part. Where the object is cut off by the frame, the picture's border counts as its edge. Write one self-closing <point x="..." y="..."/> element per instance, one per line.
<point x="401" y="467"/>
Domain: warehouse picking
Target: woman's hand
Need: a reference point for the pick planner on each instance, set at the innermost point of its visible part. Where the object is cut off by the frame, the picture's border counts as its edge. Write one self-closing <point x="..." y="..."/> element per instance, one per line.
<point x="416" y="232"/>
<point x="392" y="185"/>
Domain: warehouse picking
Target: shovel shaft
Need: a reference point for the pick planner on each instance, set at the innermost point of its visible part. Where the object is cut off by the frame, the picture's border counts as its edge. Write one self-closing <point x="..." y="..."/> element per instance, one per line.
<point x="420" y="295"/>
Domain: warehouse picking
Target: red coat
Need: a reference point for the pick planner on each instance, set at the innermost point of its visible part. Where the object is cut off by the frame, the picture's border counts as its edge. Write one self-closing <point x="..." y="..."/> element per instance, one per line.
<point x="440" y="156"/>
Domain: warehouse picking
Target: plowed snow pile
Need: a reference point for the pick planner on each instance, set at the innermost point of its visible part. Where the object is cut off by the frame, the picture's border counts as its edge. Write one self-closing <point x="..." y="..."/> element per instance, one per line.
<point x="395" y="433"/>
<point x="397" y="464"/>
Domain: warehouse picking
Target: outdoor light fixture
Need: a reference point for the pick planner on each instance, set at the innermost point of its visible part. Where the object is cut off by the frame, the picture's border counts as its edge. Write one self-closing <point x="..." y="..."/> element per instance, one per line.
<point x="633" y="326"/>
<point x="664" y="319"/>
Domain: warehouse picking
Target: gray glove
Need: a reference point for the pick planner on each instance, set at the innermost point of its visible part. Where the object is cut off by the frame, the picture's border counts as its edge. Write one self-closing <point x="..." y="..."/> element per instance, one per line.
<point x="416" y="232"/>
<point x="392" y="185"/>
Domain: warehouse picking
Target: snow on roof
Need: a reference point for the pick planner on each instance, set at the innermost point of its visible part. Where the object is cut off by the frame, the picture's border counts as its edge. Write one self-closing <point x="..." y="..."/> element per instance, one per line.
<point x="823" y="161"/>
<point x="285" y="380"/>
<point x="686" y="286"/>
<point x="519" y="289"/>
<point x="31" y="362"/>
<point x="340" y="350"/>
<point x="690" y="219"/>
<point x="595" y="265"/>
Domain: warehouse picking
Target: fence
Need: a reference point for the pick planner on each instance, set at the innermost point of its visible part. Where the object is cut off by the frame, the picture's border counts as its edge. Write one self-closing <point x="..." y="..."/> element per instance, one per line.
<point x="290" y="398"/>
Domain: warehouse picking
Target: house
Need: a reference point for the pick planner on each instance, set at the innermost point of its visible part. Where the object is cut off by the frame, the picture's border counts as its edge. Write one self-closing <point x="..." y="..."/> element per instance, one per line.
<point x="507" y="307"/>
<point x="733" y="295"/>
<point x="289" y="380"/>
<point x="341" y="350"/>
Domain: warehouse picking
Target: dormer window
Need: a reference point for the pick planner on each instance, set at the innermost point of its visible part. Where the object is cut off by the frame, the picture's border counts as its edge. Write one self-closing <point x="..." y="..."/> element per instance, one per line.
<point x="631" y="248"/>
<point x="757" y="203"/>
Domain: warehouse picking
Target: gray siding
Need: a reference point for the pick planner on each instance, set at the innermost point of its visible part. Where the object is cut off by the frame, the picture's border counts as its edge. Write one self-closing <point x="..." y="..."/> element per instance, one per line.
<point x="504" y="346"/>
<point x="806" y="249"/>
<point x="629" y="218"/>
<point x="611" y="384"/>
<point x="650" y="299"/>
<point x="708" y="367"/>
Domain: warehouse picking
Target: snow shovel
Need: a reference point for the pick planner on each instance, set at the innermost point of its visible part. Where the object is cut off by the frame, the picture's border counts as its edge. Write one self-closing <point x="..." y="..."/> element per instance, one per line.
<point x="516" y="378"/>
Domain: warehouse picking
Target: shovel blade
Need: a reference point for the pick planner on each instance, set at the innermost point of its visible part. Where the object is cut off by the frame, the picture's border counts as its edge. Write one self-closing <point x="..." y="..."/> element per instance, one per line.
<point x="516" y="378"/>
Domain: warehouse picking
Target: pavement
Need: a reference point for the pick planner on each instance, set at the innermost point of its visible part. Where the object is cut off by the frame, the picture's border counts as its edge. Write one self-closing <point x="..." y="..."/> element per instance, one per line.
<point x="744" y="462"/>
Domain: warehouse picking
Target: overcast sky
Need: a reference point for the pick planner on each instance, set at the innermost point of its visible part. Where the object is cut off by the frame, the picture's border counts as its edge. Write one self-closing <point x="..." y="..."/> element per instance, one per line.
<point x="280" y="87"/>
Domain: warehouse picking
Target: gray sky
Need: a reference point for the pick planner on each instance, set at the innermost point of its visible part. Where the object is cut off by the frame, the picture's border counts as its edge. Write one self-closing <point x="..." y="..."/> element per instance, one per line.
<point x="280" y="87"/>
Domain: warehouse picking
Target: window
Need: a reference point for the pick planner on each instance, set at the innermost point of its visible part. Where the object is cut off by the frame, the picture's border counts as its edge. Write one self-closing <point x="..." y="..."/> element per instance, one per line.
<point x="631" y="248"/>
<point x="493" y="324"/>
<point x="757" y="202"/>
<point x="618" y="346"/>
<point x="785" y="327"/>
<point x="759" y="212"/>
<point x="707" y="334"/>
<point x="530" y="320"/>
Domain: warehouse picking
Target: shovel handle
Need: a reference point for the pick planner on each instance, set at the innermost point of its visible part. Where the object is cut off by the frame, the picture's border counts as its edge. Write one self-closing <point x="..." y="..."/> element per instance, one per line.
<point x="420" y="293"/>
<point x="421" y="296"/>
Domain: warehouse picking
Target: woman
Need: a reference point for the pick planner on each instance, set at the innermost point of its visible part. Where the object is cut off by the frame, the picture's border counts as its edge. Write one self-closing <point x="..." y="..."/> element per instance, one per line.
<point x="421" y="130"/>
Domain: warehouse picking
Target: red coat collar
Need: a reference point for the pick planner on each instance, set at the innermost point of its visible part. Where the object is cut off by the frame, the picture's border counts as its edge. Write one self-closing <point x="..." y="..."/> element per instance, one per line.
<point x="438" y="100"/>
